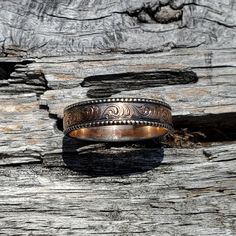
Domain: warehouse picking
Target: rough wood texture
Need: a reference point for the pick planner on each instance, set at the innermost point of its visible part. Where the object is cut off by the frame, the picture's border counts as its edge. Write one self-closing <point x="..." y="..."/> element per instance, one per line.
<point x="40" y="28"/>
<point x="54" y="53"/>
<point x="188" y="194"/>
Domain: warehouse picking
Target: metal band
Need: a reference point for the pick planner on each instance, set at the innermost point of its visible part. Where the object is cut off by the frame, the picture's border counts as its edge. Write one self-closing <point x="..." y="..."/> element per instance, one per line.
<point x="117" y="119"/>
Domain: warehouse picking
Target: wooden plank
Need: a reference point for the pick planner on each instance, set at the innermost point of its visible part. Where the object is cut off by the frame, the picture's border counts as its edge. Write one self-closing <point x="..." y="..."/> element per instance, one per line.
<point x="54" y="53"/>
<point x="77" y="27"/>
<point x="188" y="193"/>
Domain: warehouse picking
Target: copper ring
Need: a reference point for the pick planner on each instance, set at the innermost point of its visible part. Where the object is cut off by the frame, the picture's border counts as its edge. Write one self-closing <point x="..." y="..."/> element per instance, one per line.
<point x="117" y="119"/>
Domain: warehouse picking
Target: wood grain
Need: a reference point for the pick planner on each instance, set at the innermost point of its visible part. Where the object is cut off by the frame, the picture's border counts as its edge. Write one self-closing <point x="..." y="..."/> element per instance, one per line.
<point x="54" y="53"/>
<point x="187" y="193"/>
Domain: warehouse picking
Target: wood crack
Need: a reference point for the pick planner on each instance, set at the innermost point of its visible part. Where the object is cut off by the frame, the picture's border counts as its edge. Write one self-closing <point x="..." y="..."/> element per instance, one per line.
<point x="75" y="19"/>
<point x="156" y="13"/>
<point x="107" y="85"/>
<point x="220" y="23"/>
<point x="16" y="77"/>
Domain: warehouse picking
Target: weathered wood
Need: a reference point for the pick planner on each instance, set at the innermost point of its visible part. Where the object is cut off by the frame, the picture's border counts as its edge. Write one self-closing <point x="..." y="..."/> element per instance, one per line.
<point x="54" y="53"/>
<point x="49" y="28"/>
<point x="211" y="66"/>
<point x="188" y="193"/>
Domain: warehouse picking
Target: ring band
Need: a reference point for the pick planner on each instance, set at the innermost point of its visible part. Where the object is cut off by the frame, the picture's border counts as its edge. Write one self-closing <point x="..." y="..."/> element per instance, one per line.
<point x="117" y="119"/>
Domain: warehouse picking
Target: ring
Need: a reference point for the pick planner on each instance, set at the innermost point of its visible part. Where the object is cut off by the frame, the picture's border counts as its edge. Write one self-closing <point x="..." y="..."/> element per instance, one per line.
<point x="117" y="119"/>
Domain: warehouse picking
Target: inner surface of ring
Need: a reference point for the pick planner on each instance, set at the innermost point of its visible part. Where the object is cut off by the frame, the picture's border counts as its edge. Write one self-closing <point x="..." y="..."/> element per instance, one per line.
<point x="118" y="132"/>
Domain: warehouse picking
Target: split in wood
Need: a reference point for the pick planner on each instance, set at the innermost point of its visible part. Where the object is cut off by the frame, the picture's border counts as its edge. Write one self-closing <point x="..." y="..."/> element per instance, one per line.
<point x="16" y="78"/>
<point x="107" y="85"/>
<point x="157" y="13"/>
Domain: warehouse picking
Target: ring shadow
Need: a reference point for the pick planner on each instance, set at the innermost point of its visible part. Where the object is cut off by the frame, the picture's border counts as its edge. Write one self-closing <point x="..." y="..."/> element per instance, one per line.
<point x="111" y="159"/>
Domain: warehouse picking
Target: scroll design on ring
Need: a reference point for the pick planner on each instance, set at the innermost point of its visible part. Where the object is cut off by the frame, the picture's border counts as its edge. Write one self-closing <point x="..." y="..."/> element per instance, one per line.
<point x="117" y="111"/>
<point x="111" y="111"/>
<point x="132" y="111"/>
<point x="117" y="119"/>
<point x="80" y="114"/>
<point x="89" y="112"/>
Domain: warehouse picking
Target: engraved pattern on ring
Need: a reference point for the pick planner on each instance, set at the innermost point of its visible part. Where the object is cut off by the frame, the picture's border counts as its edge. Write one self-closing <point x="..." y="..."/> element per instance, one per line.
<point x="111" y="111"/>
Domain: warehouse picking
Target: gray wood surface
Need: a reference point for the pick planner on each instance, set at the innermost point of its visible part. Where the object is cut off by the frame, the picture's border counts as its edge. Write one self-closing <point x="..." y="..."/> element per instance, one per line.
<point x="54" y="53"/>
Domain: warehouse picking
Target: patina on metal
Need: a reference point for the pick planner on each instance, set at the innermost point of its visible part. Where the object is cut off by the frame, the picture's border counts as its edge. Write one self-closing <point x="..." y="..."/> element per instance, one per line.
<point x="117" y="119"/>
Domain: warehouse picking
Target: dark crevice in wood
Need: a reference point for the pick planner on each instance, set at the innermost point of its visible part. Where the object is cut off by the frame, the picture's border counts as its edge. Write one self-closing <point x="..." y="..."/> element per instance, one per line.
<point x="6" y="68"/>
<point x="107" y="85"/>
<point x="33" y="162"/>
<point x="165" y="47"/>
<point x="215" y="127"/>
<point x="17" y="78"/>
<point x="5" y="157"/>
<point x="44" y="107"/>
<point x="59" y="124"/>
<point x="157" y="13"/>
<point x="102" y="92"/>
